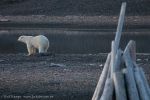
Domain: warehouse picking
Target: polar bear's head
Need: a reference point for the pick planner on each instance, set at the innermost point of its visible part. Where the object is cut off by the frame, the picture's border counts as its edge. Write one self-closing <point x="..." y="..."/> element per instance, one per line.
<point x="24" y="38"/>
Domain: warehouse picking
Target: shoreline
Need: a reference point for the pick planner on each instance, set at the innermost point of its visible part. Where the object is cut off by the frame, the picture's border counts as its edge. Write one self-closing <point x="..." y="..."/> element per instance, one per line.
<point x="75" y="22"/>
<point x="70" y="19"/>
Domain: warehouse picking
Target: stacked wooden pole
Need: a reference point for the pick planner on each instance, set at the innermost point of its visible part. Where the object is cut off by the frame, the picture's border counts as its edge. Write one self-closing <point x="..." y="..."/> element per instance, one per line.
<point x="122" y="78"/>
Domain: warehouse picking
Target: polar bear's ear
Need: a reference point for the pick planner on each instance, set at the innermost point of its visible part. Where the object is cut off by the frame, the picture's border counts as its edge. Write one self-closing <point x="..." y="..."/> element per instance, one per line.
<point x="20" y="38"/>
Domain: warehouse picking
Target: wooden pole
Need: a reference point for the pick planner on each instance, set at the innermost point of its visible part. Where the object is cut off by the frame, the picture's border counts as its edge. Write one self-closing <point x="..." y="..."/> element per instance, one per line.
<point x="140" y="85"/>
<point x="108" y="90"/>
<point x="101" y="83"/>
<point x="132" y="49"/>
<point x="120" y="25"/>
<point x="132" y="91"/>
<point x="127" y="54"/>
<point x="129" y="75"/>
<point x="113" y="55"/>
<point x="119" y="83"/>
<point x="116" y="42"/>
<point x="145" y="81"/>
<point x="118" y="61"/>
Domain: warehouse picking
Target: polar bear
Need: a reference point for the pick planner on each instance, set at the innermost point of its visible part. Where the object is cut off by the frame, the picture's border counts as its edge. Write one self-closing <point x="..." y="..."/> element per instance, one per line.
<point x="39" y="42"/>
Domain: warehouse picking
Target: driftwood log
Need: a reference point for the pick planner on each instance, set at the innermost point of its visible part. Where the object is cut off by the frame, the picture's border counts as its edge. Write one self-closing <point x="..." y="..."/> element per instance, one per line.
<point x="120" y="89"/>
<point x="129" y="75"/>
<point x="113" y="57"/>
<point x="140" y="85"/>
<point x="108" y="90"/>
<point x="120" y="25"/>
<point x="122" y="78"/>
<point x="101" y="83"/>
<point x="145" y="81"/>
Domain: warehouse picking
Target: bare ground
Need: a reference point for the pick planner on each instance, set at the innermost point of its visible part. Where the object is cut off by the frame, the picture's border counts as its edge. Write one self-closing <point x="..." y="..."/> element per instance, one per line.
<point x="68" y="77"/>
<point x="59" y="77"/>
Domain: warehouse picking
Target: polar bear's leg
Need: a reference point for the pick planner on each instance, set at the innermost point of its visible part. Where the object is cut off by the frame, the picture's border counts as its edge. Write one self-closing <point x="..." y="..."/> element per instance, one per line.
<point x="46" y="48"/>
<point x="33" y="50"/>
<point x="29" y="48"/>
<point x="41" y="50"/>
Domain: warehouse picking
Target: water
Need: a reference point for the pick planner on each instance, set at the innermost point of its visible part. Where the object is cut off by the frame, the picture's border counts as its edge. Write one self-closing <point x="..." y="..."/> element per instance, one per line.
<point x="70" y="40"/>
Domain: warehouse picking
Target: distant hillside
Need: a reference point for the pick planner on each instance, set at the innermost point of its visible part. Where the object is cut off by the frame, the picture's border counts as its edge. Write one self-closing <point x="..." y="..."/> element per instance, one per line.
<point x="72" y="7"/>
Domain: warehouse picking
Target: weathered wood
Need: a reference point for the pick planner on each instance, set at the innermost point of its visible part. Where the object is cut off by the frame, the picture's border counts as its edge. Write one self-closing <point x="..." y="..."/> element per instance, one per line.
<point x="101" y="83"/>
<point x="116" y="42"/>
<point x="113" y="55"/>
<point x="145" y="81"/>
<point x="132" y="49"/>
<point x="131" y="52"/>
<point x="140" y="85"/>
<point x="120" y="90"/>
<point x="129" y="75"/>
<point x="120" y="24"/>
<point x="118" y="60"/>
<point x="108" y="90"/>
<point x="132" y="91"/>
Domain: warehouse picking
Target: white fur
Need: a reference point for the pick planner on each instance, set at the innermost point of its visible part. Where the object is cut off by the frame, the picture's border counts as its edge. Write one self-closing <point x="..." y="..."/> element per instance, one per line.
<point x="39" y="42"/>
